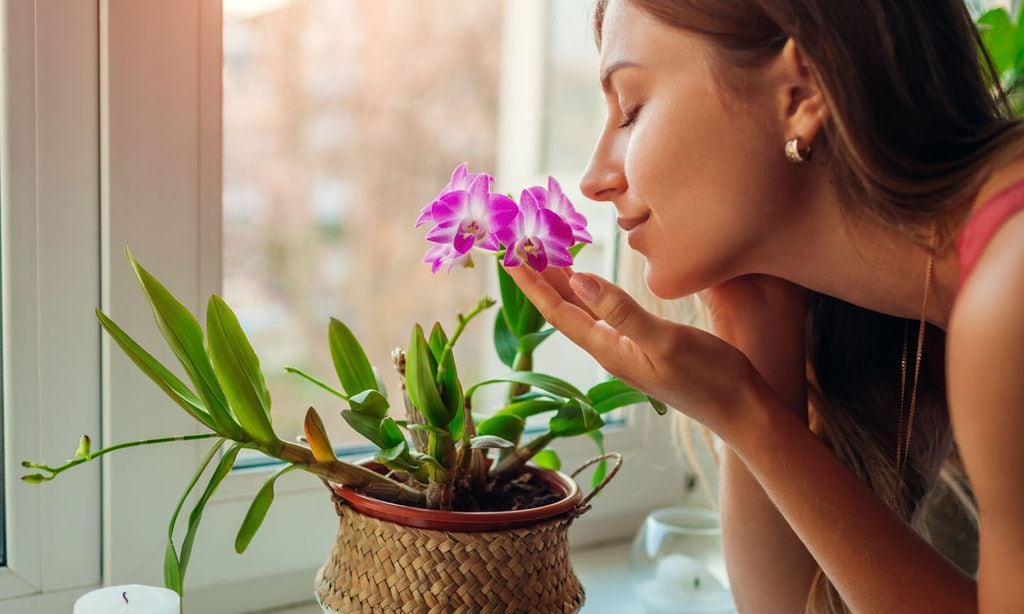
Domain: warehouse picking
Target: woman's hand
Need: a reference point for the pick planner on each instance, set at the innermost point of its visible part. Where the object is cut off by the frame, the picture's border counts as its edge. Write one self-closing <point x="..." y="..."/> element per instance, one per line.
<point x="765" y="318"/>
<point x="685" y="367"/>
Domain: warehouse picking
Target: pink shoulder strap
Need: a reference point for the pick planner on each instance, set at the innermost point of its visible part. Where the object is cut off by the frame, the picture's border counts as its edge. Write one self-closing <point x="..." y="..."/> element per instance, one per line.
<point x="984" y="223"/>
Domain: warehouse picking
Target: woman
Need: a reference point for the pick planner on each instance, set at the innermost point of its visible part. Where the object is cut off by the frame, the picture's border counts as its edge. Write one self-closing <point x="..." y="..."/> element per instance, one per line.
<point x="757" y="148"/>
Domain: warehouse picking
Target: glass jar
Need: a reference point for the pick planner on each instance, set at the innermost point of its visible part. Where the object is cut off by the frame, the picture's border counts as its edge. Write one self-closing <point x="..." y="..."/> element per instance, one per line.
<point x="677" y="563"/>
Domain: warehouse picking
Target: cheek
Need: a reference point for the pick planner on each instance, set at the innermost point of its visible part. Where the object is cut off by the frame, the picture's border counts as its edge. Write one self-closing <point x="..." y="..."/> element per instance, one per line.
<point x="704" y="172"/>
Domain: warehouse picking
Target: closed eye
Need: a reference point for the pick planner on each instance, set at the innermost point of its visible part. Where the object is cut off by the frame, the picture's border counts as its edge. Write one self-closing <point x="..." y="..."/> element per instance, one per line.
<point x="631" y="116"/>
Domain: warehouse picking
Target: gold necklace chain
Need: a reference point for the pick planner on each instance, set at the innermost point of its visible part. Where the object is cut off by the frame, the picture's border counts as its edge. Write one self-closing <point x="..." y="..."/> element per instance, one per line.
<point x="904" y="434"/>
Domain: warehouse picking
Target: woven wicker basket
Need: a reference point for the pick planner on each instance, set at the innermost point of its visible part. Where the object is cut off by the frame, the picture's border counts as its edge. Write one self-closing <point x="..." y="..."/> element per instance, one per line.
<point x="378" y="566"/>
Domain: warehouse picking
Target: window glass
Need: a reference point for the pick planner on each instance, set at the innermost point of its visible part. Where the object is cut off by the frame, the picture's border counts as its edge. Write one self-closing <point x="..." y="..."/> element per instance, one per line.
<point x="341" y="120"/>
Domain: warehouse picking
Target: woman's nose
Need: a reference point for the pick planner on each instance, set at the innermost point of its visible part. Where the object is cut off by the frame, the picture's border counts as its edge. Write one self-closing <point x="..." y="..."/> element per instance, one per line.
<point x="603" y="179"/>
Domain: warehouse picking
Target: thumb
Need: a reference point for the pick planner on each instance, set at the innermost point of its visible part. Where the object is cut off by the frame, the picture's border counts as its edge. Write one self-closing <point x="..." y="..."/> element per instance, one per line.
<point x="617" y="308"/>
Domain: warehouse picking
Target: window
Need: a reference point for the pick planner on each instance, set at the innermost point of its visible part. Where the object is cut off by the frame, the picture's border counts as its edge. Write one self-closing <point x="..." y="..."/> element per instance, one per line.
<point x="362" y="117"/>
<point x="234" y="148"/>
<point x="50" y="225"/>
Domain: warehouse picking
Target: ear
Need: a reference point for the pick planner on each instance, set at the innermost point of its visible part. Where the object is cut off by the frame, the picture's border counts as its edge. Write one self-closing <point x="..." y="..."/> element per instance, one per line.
<point x="802" y="107"/>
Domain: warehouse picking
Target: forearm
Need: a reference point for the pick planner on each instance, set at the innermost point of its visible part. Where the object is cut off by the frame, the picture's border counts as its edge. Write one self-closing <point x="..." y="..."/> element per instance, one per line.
<point x="875" y="560"/>
<point x="770" y="570"/>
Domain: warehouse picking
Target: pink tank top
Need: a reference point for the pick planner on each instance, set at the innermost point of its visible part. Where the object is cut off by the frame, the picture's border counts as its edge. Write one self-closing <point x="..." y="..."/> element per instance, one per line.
<point x="983" y="224"/>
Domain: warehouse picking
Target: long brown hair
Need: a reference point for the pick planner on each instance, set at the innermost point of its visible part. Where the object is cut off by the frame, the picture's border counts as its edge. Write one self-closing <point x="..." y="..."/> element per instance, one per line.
<point x="917" y="124"/>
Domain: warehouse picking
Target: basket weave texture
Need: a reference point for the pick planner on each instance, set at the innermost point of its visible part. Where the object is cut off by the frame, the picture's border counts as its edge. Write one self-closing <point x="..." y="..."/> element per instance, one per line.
<point x="378" y="566"/>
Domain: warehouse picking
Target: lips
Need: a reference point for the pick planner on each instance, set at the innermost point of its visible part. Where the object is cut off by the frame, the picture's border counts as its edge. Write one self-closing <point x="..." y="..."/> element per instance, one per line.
<point x="629" y="223"/>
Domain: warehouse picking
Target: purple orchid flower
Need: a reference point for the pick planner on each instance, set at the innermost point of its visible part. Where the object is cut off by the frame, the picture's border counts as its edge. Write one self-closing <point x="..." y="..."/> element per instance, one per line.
<point x="557" y="201"/>
<point x="471" y="217"/>
<point x="444" y="254"/>
<point x="461" y="178"/>
<point x="537" y="235"/>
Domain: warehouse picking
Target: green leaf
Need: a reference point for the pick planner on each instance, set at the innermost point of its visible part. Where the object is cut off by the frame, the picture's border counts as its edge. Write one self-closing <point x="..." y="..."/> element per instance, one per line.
<point x="505" y="343"/>
<point x="607" y="389"/>
<point x="451" y="387"/>
<point x="543" y="381"/>
<point x="547" y="459"/>
<point x="575" y="418"/>
<point x="490" y="441"/>
<point x="420" y="381"/>
<point x="173" y="578"/>
<point x="227" y="461"/>
<point x="390" y="434"/>
<point x="183" y="334"/>
<point x="258" y="510"/>
<point x="530" y="342"/>
<point x="531" y="407"/>
<point x="370" y="403"/>
<point x="354" y="370"/>
<point x="238" y="371"/>
<point x="620" y="400"/>
<point x="530" y="320"/>
<point x="426" y="427"/>
<point x="576" y="249"/>
<point x="367" y="426"/>
<point x="512" y="298"/>
<point x="998" y="34"/>
<point x="172" y="572"/>
<point x="389" y="455"/>
<point x="457" y="425"/>
<point x="658" y="406"/>
<point x="161" y="376"/>
<point x="506" y="426"/>
<point x="602" y="466"/>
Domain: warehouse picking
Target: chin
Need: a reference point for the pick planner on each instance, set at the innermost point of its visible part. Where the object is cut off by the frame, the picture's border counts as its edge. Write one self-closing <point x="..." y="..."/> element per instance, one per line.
<point x="669" y="285"/>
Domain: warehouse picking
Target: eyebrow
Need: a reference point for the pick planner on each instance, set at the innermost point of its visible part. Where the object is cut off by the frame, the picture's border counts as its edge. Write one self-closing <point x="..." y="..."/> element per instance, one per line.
<point x="606" y="74"/>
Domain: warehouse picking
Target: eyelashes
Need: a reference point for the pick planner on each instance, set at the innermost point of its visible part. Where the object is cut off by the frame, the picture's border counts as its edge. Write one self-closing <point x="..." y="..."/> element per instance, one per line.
<point x="631" y="116"/>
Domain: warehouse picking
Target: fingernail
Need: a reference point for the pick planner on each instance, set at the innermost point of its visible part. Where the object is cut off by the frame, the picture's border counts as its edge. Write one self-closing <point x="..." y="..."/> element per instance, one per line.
<point x="584" y="287"/>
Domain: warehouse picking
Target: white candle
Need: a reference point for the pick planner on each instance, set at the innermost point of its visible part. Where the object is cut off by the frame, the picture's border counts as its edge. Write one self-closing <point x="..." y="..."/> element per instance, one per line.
<point x="129" y="599"/>
<point x="682" y="584"/>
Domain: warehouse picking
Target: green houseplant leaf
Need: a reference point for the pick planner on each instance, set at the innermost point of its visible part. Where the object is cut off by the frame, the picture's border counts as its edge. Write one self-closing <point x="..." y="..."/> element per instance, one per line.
<point x="506" y="426"/>
<point x="354" y="370"/>
<point x="543" y="381"/>
<point x="238" y="370"/>
<point x="505" y="342"/>
<point x="451" y="387"/>
<point x="161" y="375"/>
<point x="183" y="334"/>
<point x="173" y="576"/>
<point x="258" y="510"/>
<point x="227" y="461"/>
<point x="420" y="374"/>
<point x="575" y="418"/>
<point x="547" y="459"/>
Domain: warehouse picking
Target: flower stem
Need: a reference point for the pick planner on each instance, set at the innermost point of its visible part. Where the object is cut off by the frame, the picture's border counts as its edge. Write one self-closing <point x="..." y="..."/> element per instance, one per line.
<point x="316" y="381"/>
<point x="485" y="303"/>
<point x="55" y="471"/>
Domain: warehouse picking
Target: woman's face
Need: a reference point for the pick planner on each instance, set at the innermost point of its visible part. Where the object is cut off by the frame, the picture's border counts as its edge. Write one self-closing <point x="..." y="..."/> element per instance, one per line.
<point x="697" y="174"/>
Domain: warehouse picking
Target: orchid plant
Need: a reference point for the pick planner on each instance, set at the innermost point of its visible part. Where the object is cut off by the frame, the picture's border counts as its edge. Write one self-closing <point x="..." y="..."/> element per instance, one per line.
<point x="439" y="454"/>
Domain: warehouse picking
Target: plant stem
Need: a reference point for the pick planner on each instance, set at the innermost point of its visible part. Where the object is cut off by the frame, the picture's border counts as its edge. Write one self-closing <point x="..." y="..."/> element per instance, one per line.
<point x="485" y="303"/>
<point x="55" y="471"/>
<point x="316" y="381"/>
<point x="360" y="478"/>
<point x="523" y="363"/>
<point x="517" y="459"/>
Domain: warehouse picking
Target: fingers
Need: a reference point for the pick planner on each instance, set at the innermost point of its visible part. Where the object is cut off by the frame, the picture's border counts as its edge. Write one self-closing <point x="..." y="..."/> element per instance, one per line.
<point x="579" y="325"/>
<point x="613" y="305"/>
<point x="559" y="277"/>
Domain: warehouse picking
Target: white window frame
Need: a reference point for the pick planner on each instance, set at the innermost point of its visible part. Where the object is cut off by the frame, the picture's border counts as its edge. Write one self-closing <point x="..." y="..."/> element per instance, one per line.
<point x="51" y="395"/>
<point x="158" y="162"/>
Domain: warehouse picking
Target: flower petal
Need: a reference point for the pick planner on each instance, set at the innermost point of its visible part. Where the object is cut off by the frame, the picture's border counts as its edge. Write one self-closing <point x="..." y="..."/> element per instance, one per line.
<point x="463" y="242"/>
<point x="538" y="260"/>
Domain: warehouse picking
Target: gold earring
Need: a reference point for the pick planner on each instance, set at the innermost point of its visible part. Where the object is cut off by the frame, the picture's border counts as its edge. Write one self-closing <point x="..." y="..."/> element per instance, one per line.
<point x="793" y="152"/>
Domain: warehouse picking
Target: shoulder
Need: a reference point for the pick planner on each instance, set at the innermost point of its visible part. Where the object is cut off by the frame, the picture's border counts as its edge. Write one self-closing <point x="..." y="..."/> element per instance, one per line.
<point x="985" y="366"/>
<point x="985" y="385"/>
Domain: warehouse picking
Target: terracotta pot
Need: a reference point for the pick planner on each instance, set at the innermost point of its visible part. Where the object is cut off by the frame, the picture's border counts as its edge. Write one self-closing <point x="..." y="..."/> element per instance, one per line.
<point x="466" y="521"/>
<point x="394" y="558"/>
